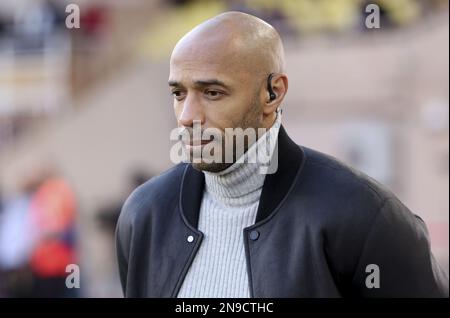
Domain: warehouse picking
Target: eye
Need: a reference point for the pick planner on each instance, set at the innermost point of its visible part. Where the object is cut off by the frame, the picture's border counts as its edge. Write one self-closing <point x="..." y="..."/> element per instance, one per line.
<point x="213" y="94"/>
<point x="179" y="95"/>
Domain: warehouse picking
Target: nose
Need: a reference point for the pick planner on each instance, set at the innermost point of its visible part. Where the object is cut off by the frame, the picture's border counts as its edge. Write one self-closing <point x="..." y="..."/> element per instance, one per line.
<point x="192" y="110"/>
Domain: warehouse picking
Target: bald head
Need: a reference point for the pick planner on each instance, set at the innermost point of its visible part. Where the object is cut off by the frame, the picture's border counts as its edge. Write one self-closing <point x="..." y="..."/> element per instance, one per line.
<point x="237" y="40"/>
<point x="219" y="75"/>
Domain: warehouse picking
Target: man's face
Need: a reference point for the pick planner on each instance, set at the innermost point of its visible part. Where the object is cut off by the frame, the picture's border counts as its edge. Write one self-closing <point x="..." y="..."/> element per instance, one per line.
<point x="210" y="87"/>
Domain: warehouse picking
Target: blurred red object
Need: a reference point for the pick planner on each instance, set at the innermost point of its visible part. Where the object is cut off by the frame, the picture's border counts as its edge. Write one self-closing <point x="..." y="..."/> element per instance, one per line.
<point x="51" y="257"/>
<point x="53" y="207"/>
<point x="94" y="19"/>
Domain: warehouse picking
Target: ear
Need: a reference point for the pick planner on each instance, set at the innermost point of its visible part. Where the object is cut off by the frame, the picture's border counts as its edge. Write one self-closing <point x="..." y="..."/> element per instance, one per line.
<point x="279" y="87"/>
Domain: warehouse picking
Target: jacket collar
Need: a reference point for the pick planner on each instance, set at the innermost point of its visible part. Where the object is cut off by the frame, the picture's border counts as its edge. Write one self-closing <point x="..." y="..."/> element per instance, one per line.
<point x="275" y="189"/>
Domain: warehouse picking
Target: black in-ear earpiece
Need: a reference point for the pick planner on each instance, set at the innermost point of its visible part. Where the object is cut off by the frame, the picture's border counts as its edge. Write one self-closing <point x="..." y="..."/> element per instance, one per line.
<point x="272" y="95"/>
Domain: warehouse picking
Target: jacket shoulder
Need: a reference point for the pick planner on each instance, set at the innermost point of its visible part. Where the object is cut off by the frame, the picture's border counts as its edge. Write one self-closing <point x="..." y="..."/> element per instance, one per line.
<point x="364" y="223"/>
<point x="158" y="194"/>
<point x="343" y="180"/>
<point x="157" y="190"/>
<point x="343" y="199"/>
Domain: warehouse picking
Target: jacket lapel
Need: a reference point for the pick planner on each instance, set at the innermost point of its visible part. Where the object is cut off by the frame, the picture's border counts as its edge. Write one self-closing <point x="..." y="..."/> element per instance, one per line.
<point x="276" y="185"/>
<point x="191" y="194"/>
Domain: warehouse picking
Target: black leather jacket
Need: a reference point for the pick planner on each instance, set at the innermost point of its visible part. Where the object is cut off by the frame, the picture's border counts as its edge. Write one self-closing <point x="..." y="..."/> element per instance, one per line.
<point x="319" y="226"/>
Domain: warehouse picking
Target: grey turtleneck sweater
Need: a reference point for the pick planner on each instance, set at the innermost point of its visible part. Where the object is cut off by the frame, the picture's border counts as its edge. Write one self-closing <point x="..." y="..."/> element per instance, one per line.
<point x="230" y="203"/>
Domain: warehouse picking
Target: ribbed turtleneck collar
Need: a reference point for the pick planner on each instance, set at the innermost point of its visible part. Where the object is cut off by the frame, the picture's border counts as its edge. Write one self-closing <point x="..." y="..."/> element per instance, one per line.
<point x="241" y="183"/>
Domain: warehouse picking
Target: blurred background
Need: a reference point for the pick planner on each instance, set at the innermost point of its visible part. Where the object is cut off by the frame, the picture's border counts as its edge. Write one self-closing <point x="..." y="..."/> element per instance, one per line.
<point x="85" y="116"/>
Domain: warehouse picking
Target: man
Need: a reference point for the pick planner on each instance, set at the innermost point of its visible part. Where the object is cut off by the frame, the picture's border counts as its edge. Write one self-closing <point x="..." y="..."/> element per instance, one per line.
<point x="311" y="227"/>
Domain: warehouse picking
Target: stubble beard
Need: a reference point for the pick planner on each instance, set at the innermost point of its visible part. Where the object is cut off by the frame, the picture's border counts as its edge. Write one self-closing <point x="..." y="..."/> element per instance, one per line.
<point x="250" y="120"/>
